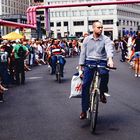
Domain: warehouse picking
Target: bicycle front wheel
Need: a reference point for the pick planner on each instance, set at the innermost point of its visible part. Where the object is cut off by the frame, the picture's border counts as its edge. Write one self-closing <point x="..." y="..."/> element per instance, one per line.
<point x="58" y="73"/>
<point x="94" y="111"/>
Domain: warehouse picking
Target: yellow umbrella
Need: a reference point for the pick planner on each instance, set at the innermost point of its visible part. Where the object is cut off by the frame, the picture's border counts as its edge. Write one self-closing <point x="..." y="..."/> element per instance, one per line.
<point x="12" y="36"/>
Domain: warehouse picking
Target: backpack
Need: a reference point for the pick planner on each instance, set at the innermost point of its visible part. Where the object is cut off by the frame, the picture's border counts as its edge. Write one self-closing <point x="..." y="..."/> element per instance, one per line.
<point x="3" y="56"/>
<point x="21" y="52"/>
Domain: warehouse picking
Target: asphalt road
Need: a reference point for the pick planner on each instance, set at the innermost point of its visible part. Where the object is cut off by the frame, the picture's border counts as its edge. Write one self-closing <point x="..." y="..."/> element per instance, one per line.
<point x="41" y="109"/>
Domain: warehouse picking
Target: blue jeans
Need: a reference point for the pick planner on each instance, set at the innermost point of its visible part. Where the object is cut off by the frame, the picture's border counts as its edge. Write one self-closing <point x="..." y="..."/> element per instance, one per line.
<point x="62" y="62"/>
<point x="87" y="79"/>
<point x="4" y="73"/>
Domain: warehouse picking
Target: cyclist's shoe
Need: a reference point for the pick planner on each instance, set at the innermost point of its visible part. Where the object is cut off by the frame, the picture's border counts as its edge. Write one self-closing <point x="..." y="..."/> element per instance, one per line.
<point x="83" y="115"/>
<point x="1" y="98"/>
<point x="103" y="99"/>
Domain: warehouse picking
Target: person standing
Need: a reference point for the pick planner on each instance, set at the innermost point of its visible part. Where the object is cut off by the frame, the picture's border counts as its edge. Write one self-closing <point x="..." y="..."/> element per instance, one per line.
<point x="4" y="60"/>
<point x="124" y="49"/>
<point x="136" y="55"/>
<point x="19" y="54"/>
<point x="97" y="49"/>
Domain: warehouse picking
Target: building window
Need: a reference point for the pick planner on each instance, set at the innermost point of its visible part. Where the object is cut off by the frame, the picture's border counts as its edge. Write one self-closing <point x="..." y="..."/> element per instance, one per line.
<point x="104" y="11"/>
<point x="53" y="14"/>
<point x="51" y="24"/>
<point x="61" y="14"/>
<point x="82" y="13"/>
<point x="58" y="24"/>
<point x="40" y="12"/>
<point x="134" y="23"/>
<point x="89" y="12"/>
<point x="78" y="34"/>
<point x="65" y="13"/>
<point x="111" y="11"/>
<point x="6" y="9"/>
<point x="78" y="23"/>
<point x="120" y="22"/>
<point x="42" y="25"/>
<point x="41" y="18"/>
<point x="106" y="22"/>
<point x="65" y="23"/>
<point x="127" y="23"/>
<point x="74" y="13"/>
<point x="58" y="35"/>
<point x="123" y="22"/>
<point x="96" y="12"/>
<point x="130" y="23"/>
<point x="38" y="1"/>
<point x="90" y="22"/>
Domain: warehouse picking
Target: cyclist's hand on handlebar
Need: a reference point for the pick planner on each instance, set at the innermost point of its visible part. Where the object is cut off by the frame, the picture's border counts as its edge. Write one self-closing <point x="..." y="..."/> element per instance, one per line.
<point x="110" y="62"/>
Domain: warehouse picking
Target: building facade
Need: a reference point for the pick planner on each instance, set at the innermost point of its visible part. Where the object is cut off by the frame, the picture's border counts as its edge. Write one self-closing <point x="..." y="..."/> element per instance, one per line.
<point x="118" y="20"/>
<point x="13" y="10"/>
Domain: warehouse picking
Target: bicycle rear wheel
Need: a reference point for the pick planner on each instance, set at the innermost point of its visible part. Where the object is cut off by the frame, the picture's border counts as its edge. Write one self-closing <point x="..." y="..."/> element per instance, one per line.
<point x="94" y="111"/>
<point x="58" y="73"/>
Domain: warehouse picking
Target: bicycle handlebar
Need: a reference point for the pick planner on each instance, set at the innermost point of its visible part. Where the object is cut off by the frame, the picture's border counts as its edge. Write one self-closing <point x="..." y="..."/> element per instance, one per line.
<point x="111" y="68"/>
<point x="57" y="55"/>
<point x="98" y="66"/>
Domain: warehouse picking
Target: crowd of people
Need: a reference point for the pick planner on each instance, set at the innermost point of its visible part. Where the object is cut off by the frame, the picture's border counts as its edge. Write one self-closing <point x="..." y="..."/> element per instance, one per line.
<point x="129" y="45"/>
<point x="43" y="52"/>
<point x="19" y="56"/>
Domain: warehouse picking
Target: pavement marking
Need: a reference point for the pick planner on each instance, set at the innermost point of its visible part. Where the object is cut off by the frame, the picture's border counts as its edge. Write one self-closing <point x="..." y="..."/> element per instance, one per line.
<point x="32" y="78"/>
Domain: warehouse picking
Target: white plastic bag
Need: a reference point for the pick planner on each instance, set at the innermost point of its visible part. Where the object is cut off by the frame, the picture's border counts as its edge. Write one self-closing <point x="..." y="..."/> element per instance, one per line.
<point x="76" y="86"/>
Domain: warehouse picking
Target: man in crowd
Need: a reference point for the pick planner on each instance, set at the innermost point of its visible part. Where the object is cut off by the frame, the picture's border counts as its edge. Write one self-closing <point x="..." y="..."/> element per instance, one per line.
<point x="20" y="52"/>
<point x="53" y="51"/>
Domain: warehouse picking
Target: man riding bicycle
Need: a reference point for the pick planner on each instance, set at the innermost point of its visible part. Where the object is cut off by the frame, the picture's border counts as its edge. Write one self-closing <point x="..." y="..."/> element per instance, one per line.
<point x="97" y="49"/>
<point x="53" y="51"/>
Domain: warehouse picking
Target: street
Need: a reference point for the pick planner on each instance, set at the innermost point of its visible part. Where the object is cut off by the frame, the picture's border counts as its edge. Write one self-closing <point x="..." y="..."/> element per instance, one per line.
<point x="41" y="109"/>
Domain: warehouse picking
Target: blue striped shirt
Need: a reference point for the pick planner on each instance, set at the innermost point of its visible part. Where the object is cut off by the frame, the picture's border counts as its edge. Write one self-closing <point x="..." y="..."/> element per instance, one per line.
<point x="96" y="48"/>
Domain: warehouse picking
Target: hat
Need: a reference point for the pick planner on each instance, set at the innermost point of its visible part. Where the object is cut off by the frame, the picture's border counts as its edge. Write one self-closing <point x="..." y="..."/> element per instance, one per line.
<point x="17" y="40"/>
<point x="4" y="42"/>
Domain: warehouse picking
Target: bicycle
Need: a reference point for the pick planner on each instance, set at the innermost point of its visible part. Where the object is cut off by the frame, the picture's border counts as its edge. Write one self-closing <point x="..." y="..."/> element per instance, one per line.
<point x="58" y="69"/>
<point x="95" y="96"/>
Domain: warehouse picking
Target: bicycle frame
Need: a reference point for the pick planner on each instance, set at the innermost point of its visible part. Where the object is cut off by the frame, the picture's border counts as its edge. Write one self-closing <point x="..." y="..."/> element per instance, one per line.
<point x="95" y="96"/>
<point x="94" y="100"/>
<point x="58" y="70"/>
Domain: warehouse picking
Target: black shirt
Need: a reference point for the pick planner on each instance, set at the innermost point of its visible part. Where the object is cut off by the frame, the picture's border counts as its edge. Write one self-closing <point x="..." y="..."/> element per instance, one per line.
<point x="137" y="42"/>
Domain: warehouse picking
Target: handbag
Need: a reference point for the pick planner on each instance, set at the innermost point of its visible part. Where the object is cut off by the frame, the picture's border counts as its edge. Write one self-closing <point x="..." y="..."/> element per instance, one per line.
<point x="76" y="86"/>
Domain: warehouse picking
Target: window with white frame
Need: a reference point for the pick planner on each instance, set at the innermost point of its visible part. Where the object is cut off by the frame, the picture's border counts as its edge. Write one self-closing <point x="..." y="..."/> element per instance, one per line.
<point x="78" y="23"/>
